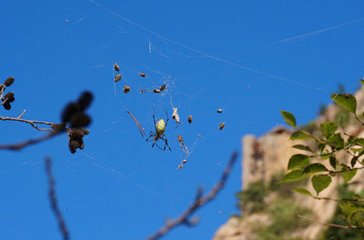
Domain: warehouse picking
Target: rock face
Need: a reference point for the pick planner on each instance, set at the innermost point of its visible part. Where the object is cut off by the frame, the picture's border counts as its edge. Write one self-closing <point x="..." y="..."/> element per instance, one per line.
<point x="267" y="156"/>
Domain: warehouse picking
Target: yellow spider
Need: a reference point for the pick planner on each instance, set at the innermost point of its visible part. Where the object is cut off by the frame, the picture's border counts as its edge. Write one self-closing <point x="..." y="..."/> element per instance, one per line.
<point x="160" y="128"/>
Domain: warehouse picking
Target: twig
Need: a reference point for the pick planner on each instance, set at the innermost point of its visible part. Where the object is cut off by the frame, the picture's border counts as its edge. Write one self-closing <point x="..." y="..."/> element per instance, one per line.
<point x="340" y="199"/>
<point x="33" y="123"/>
<point x="330" y="224"/>
<point x="200" y="200"/>
<point x="141" y="129"/>
<point x="53" y="200"/>
<point x="19" y="146"/>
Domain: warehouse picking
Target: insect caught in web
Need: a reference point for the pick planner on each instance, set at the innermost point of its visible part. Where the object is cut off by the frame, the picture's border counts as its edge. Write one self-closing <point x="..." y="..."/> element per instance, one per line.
<point x="160" y="128"/>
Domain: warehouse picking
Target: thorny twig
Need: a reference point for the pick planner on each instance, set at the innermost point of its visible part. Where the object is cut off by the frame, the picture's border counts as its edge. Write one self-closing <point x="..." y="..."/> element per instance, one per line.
<point x="53" y="200"/>
<point x="330" y="224"/>
<point x="200" y="200"/>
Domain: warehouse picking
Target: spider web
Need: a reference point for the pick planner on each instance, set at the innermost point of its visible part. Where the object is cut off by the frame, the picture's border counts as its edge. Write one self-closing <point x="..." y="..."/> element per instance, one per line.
<point x="120" y="161"/>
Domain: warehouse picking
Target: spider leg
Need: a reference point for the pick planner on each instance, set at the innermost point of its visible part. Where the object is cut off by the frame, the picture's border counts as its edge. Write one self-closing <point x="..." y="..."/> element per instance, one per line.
<point x="150" y="136"/>
<point x="166" y="145"/>
<point x="154" y="120"/>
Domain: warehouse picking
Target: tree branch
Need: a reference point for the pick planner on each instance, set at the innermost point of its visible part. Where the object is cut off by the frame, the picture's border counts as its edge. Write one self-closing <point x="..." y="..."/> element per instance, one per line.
<point x="21" y="145"/>
<point x="53" y="200"/>
<point x="33" y="123"/>
<point x="200" y="201"/>
<point x="330" y="224"/>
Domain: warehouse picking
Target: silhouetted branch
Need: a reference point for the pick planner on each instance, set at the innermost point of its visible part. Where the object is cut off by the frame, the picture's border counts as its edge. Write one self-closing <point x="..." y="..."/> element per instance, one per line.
<point x="200" y="200"/>
<point x="21" y="145"/>
<point x="330" y="224"/>
<point x="53" y="200"/>
<point x="33" y="123"/>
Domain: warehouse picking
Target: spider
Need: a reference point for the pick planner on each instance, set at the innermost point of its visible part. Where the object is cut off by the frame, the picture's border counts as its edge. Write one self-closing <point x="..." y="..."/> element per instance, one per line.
<point x="160" y="128"/>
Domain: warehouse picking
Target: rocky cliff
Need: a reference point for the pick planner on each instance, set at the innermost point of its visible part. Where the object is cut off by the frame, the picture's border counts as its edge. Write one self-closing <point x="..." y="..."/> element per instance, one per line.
<point x="264" y="159"/>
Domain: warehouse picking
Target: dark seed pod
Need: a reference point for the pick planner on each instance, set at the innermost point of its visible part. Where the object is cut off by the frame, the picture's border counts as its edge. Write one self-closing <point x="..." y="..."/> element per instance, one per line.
<point x="58" y="127"/>
<point x="9" y="97"/>
<point x="9" y="81"/>
<point x="70" y="109"/>
<point x="126" y="89"/>
<point x="189" y="119"/>
<point x="7" y="105"/>
<point x="117" y="77"/>
<point x="85" y="100"/>
<point x="80" y="120"/>
<point x="76" y="134"/>
<point x="73" y="145"/>
<point x="116" y="67"/>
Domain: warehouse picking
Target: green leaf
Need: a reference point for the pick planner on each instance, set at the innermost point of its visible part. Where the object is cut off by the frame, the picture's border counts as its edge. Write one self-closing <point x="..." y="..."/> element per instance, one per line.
<point x="315" y="168"/>
<point x="302" y="147"/>
<point x="327" y="129"/>
<point x="298" y="161"/>
<point x="321" y="146"/>
<point x="289" y="118"/>
<point x="320" y="182"/>
<point x="336" y="141"/>
<point x="299" y="135"/>
<point x="293" y="176"/>
<point x="303" y="191"/>
<point x="349" y="174"/>
<point x="359" y="141"/>
<point x="353" y="161"/>
<point x="333" y="162"/>
<point x="346" y="101"/>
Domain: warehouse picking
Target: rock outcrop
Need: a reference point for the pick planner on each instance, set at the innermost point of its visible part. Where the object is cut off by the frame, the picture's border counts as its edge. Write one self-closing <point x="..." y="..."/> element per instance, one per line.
<point x="267" y="156"/>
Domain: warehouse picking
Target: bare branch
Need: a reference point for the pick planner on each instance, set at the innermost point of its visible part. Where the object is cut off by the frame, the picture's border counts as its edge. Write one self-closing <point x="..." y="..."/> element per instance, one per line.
<point x="340" y="199"/>
<point x="33" y="123"/>
<point x="53" y="200"/>
<point x="330" y="224"/>
<point x="200" y="201"/>
<point x="21" y="145"/>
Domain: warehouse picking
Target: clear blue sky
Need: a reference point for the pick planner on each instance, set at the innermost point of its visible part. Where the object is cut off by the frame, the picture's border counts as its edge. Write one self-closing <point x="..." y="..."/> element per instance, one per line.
<point x="251" y="58"/>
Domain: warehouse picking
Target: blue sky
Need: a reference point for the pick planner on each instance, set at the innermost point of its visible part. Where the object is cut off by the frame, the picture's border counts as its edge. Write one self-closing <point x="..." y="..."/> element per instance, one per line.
<point x="251" y="58"/>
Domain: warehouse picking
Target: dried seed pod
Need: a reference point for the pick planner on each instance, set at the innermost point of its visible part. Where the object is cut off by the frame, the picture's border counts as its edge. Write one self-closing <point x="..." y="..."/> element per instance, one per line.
<point x="9" y="81"/>
<point x="9" y="97"/>
<point x="7" y="105"/>
<point x="189" y="119"/>
<point x="116" y="67"/>
<point x="142" y="74"/>
<point x="58" y="127"/>
<point x="221" y="126"/>
<point x="126" y="89"/>
<point x="70" y="110"/>
<point x="80" y="120"/>
<point x="117" y="77"/>
<point x="85" y="100"/>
